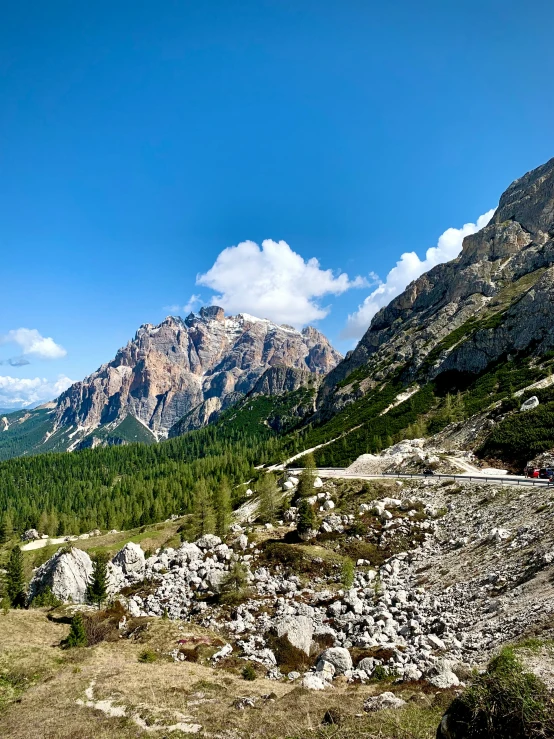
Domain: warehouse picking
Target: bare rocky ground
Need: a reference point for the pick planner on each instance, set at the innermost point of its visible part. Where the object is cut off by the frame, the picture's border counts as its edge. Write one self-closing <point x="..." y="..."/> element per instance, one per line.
<point x="444" y="574"/>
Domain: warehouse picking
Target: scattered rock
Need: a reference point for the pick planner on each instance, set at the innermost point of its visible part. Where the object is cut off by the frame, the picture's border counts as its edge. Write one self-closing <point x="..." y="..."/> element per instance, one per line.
<point x="298" y="629"/>
<point x="339" y="657"/>
<point x="383" y="701"/>
<point x="530" y="403"/>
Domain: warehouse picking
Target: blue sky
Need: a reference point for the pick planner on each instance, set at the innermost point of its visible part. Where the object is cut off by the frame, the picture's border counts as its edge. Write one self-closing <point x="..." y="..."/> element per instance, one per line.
<point x="140" y="140"/>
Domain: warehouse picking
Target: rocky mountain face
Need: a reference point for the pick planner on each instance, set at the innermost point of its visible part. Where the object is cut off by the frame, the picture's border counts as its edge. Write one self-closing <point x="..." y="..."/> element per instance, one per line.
<point x="495" y="299"/>
<point x="275" y="381"/>
<point x="194" y="367"/>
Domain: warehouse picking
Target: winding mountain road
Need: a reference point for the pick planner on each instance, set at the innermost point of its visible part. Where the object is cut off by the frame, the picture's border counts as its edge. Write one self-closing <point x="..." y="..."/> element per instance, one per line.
<point x="338" y="472"/>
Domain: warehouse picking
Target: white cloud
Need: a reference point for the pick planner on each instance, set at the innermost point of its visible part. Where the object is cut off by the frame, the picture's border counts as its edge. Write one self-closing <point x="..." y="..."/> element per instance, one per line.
<point x="175" y="309"/>
<point x="190" y="304"/>
<point x="408" y="268"/>
<point x="16" y="392"/>
<point x="273" y="281"/>
<point x="33" y="344"/>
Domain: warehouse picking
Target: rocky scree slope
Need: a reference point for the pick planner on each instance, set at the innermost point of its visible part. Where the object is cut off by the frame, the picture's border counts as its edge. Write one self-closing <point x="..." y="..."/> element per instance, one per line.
<point x="495" y="299"/>
<point x="444" y="575"/>
<point x="190" y="369"/>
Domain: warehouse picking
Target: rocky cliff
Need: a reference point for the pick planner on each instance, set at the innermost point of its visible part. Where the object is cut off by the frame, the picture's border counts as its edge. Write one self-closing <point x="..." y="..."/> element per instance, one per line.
<point x="195" y="367"/>
<point x="496" y="298"/>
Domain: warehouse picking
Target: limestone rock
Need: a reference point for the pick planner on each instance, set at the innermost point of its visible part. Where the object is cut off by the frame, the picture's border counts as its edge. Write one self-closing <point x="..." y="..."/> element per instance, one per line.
<point x="298" y="629"/>
<point x="530" y="404"/>
<point x="67" y="573"/>
<point x="193" y="369"/>
<point x="339" y="657"/>
<point x="131" y="561"/>
<point x="310" y="681"/>
<point x="208" y="541"/>
<point x="31" y="535"/>
<point x="517" y="243"/>
<point x="383" y="701"/>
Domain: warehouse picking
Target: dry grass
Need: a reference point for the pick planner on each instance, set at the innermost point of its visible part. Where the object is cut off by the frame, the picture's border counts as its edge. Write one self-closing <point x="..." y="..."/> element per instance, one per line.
<point x="164" y="692"/>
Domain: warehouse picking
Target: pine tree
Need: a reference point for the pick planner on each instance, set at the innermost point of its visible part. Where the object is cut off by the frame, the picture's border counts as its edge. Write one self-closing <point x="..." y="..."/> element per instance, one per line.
<point x="307" y="477"/>
<point x="42" y="525"/>
<point x="236" y="580"/>
<point x="268" y="498"/>
<point x="306" y="517"/>
<point x="15" y="579"/>
<point x="6" y="528"/>
<point x="203" y="520"/>
<point x="77" y="635"/>
<point x="97" y="588"/>
<point x="222" y="505"/>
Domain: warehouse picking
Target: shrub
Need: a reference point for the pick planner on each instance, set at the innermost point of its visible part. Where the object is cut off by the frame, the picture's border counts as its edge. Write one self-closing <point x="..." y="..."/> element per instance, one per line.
<point x="77" y="635"/>
<point x="505" y="701"/>
<point x="347" y="572"/>
<point x="380" y="673"/>
<point x="46" y="599"/>
<point x="148" y="656"/>
<point x="249" y="673"/>
<point x="289" y="658"/>
<point x="234" y="587"/>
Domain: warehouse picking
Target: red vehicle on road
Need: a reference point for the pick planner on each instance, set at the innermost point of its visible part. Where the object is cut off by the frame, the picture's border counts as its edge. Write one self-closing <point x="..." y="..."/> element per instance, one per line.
<point x="532" y="472"/>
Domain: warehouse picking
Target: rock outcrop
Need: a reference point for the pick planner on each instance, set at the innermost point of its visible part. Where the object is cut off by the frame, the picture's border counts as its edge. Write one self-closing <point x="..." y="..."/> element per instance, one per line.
<point x="193" y="367"/>
<point x="67" y="574"/>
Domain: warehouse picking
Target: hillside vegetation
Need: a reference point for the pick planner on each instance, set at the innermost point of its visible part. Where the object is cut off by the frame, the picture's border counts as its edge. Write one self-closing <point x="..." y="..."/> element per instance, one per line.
<point x="137" y="484"/>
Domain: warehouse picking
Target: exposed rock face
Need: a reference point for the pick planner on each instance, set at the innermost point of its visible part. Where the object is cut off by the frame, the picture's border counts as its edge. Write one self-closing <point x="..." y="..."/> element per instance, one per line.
<point x="503" y="281"/>
<point x="131" y="561"/>
<point x="298" y="629"/>
<point x="67" y="573"/>
<point x="197" y="366"/>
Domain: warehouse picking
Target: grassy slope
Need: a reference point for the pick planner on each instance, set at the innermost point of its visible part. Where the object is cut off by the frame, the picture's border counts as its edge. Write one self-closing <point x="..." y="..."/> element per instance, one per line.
<point x="41" y="684"/>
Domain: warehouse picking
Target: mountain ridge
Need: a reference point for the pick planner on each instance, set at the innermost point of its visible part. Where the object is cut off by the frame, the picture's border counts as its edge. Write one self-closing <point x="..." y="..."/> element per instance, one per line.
<point x="182" y="370"/>
<point x="502" y="281"/>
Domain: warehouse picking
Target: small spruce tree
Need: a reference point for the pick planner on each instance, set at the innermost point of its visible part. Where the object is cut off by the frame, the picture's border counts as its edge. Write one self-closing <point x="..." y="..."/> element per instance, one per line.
<point x="97" y="588"/>
<point x="306" y="517"/>
<point x="307" y="477"/>
<point x="15" y="579"/>
<point x="77" y="635"/>
<point x="236" y="580"/>
<point x="269" y="498"/>
<point x="222" y="505"/>
<point x="6" y="528"/>
<point x="203" y="519"/>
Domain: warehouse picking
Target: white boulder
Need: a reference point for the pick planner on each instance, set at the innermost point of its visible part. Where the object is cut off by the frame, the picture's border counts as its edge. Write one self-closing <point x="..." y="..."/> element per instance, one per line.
<point x="339" y="657"/>
<point x="310" y="681"/>
<point x="383" y="701"/>
<point x="298" y="629"/>
<point x="131" y="561"/>
<point x="530" y="403"/>
<point x="208" y="541"/>
<point x="67" y="574"/>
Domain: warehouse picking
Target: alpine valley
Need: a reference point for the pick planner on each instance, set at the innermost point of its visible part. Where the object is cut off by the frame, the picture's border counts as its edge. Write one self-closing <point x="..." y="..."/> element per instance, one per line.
<point x="252" y="536"/>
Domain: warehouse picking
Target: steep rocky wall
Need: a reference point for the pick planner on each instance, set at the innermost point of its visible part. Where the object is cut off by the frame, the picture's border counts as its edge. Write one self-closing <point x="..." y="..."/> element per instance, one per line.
<point x="200" y="364"/>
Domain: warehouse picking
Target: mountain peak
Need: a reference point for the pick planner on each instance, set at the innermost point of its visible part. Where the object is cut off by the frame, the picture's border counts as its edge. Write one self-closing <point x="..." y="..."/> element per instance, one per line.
<point x="212" y="312"/>
<point x="202" y="363"/>
<point x="496" y="297"/>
